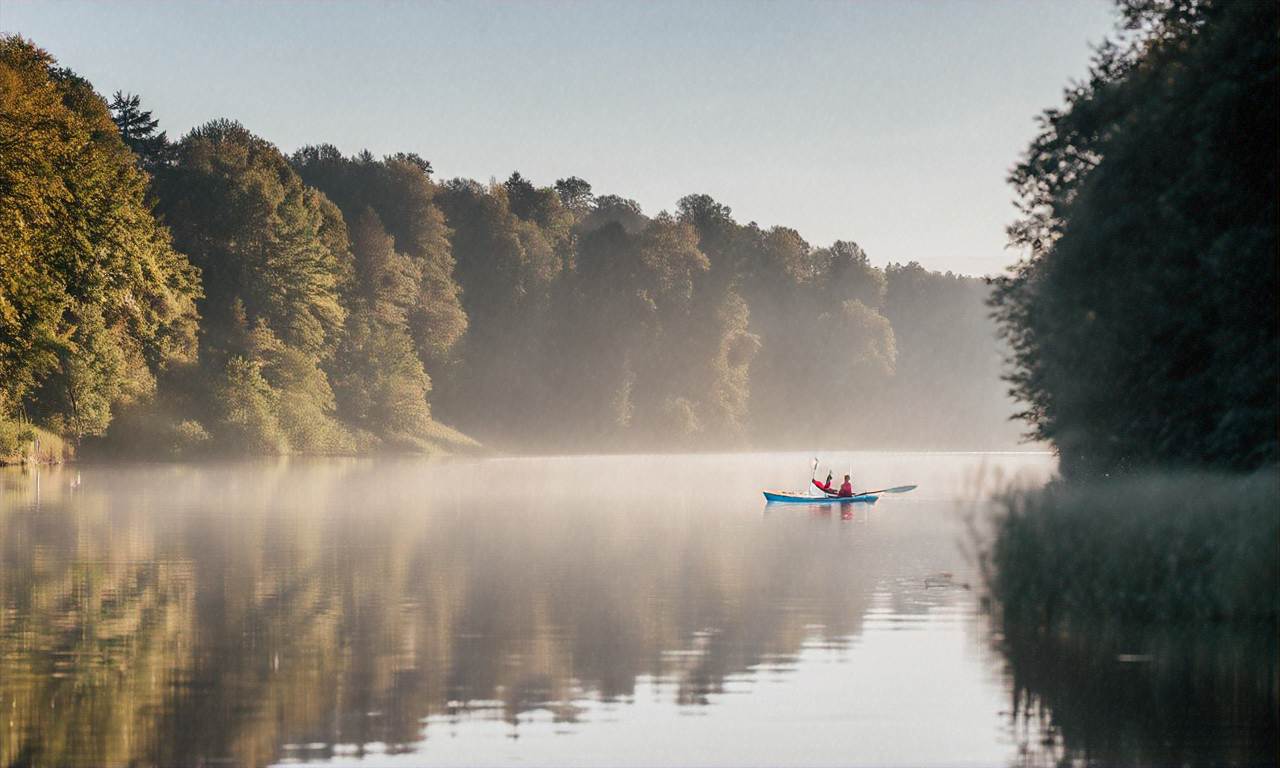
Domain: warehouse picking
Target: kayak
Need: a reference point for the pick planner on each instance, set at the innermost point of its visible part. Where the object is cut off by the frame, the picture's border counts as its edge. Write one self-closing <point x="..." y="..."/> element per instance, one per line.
<point x="795" y="497"/>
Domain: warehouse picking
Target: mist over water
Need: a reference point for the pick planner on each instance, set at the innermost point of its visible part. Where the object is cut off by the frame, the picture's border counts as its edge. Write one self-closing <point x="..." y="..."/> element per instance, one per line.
<point x="574" y="610"/>
<point x="548" y="609"/>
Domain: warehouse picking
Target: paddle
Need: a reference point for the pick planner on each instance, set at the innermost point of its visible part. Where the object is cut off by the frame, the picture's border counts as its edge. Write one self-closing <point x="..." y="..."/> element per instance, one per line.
<point x="895" y="489"/>
<point x="899" y="489"/>
<point x="813" y="478"/>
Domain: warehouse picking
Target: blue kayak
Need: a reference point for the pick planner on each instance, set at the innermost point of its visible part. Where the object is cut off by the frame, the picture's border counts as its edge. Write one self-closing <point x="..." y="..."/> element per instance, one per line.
<point x="795" y="497"/>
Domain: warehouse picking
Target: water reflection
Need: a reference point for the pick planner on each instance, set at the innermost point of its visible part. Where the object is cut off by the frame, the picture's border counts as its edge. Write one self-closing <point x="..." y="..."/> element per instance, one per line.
<point x="1120" y="695"/>
<point x="537" y="610"/>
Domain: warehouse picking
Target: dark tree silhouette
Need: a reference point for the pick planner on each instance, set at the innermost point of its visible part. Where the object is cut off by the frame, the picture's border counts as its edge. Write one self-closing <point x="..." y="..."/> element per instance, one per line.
<point x="138" y="130"/>
<point x="1143" y="326"/>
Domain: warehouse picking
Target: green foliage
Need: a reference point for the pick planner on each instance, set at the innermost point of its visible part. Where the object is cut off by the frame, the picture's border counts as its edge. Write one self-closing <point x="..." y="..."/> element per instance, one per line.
<point x="15" y="436"/>
<point x="93" y="299"/>
<point x="155" y="428"/>
<point x="22" y="443"/>
<point x="818" y="345"/>
<point x="247" y="410"/>
<point x="406" y="313"/>
<point x="506" y="267"/>
<point x="260" y="236"/>
<point x="607" y="209"/>
<point x="1143" y="325"/>
<point x="543" y="206"/>
<point x="104" y="368"/>
<point x="398" y="190"/>
<point x="382" y="388"/>
<point x="575" y="194"/>
<point x="1148" y="548"/>
<point x="688" y="330"/>
<point x="304" y="402"/>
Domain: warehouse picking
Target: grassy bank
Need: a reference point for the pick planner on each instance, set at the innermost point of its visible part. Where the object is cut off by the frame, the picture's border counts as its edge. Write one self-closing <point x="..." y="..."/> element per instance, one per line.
<point x="1152" y="549"/>
<point x="24" y="443"/>
<point x="435" y="439"/>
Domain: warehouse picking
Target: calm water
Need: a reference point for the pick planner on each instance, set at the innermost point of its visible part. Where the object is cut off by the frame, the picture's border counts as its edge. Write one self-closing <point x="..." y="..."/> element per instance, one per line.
<point x="568" y="611"/>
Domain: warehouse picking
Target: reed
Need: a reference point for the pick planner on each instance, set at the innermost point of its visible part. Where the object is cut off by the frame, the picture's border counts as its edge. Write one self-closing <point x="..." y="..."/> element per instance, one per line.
<point x="1168" y="548"/>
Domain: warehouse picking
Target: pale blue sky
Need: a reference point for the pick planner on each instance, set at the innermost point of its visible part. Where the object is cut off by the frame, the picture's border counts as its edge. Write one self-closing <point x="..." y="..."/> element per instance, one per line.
<point x="889" y="123"/>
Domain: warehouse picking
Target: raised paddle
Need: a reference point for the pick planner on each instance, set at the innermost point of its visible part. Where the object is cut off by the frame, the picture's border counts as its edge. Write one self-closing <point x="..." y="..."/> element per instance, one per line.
<point x="814" y="478"/>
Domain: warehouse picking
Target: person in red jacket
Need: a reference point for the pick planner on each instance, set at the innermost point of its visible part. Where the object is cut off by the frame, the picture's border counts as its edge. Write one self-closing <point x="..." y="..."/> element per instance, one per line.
<point x="847" y="488"/>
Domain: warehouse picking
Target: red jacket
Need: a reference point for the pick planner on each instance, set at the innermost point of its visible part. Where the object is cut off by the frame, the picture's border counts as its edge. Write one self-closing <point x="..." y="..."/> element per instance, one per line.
<point x="845" y="490"/>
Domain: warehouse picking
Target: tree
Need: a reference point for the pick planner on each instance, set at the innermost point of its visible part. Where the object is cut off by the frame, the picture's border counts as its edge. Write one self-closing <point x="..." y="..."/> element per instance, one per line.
<point x="348" y="300"/>
<point x="259" y="234"/>
<point x="846" y="273"/>
<point x="542" y="206"/>
<point x="398" y="190"/>
<point x="138" y="130"/>
<point x="94" y="300"/>
<point x="381" y="387"/>
<point x="274" y="257"/>
<point x="506" y="267"/>
<point x="612" y="208"/>
<point x="575" y="194"/>
<point x="1143" y="325"/>
<point x="379" y="381"/>
<point x="247" y="407"/>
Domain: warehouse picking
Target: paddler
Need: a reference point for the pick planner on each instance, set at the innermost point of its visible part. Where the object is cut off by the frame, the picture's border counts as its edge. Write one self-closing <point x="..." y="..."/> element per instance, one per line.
<point x="847" y="488"/>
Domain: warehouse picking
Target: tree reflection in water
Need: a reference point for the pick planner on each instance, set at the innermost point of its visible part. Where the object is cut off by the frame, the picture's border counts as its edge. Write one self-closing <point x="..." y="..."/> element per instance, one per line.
<point x="179" y="615"/>
<point x="175" y="615"/>
<point x="1112" y="695"/>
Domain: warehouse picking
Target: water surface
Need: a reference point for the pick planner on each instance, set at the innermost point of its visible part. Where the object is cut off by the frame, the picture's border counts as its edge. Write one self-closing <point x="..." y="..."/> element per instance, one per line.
<point x="568" y="611"/>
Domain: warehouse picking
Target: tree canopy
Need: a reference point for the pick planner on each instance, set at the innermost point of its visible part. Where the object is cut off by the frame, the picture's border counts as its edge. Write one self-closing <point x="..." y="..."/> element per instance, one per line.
<point x="1143" y="324"/>
<point x="94" y="300"/>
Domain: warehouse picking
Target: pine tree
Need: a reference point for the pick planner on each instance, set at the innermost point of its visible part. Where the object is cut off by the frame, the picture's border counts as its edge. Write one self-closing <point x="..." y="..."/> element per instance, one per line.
<point x="138" y="130"/>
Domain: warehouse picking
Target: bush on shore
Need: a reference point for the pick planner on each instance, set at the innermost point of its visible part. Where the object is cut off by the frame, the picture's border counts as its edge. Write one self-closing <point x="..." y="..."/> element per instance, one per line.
<point x="1190" y="547"/>
<point x="24" y="443"/>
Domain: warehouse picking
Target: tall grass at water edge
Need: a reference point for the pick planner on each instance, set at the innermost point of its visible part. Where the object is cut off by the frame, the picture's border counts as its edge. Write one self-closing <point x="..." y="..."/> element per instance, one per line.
<point x="1159" y="548"/>
<point x="24" y="443"/>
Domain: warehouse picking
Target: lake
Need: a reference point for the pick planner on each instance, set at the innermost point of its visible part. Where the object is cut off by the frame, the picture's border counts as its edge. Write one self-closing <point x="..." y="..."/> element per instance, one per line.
<point x="614" y="610"/>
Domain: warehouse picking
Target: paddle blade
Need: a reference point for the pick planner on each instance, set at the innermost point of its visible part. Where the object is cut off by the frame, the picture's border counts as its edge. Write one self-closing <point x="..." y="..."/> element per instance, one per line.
<point x="899" y="489"/>
<point x="815" y="463"/>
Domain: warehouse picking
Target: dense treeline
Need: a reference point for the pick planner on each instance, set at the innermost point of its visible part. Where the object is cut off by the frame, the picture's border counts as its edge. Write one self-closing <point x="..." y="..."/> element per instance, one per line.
<point x="212" y="294"/>
<point x="1143" y="326"/>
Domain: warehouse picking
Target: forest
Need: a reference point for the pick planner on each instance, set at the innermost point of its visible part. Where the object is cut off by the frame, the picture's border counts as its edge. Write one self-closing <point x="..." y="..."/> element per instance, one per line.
<point x="213" y="295"/>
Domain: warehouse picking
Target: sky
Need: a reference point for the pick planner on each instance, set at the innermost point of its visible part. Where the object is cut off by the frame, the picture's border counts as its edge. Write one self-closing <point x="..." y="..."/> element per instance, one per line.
<point x="890" y="123"/>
